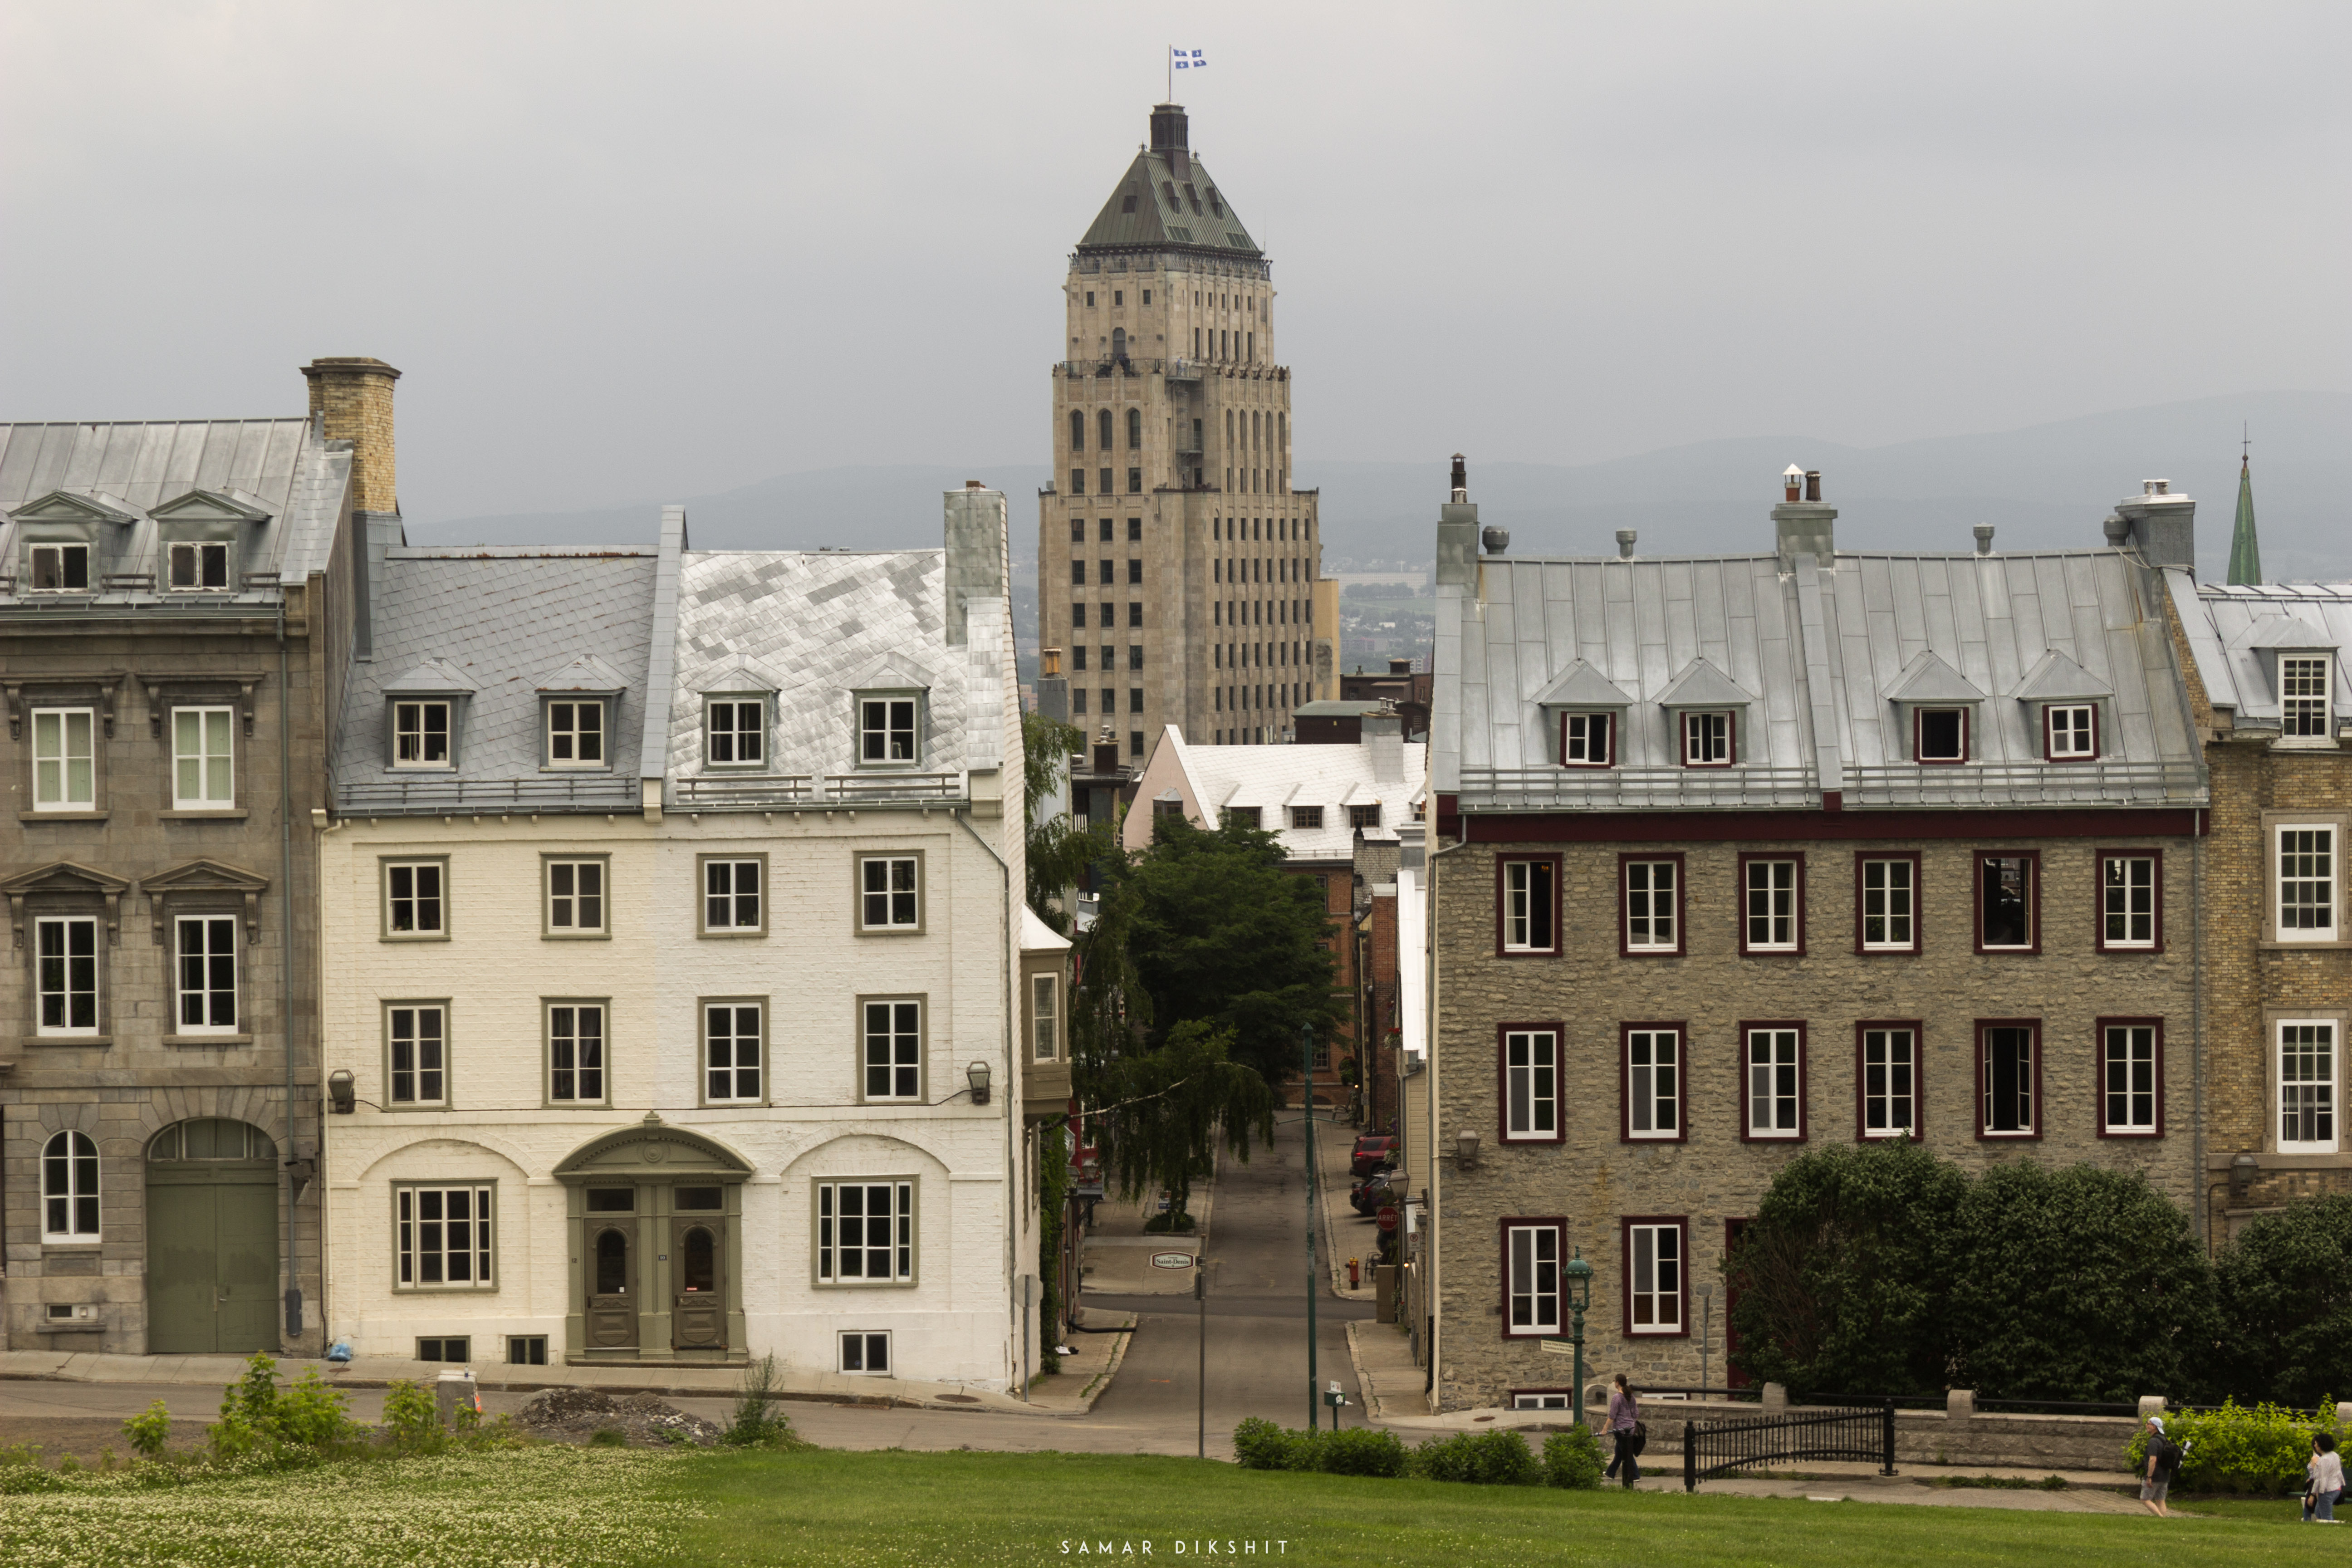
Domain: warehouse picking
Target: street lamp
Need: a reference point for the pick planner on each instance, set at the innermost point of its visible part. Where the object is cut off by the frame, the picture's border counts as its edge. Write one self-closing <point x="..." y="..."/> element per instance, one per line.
<point x="1706" y="1330"/>
<point x="1578" y="1273"/>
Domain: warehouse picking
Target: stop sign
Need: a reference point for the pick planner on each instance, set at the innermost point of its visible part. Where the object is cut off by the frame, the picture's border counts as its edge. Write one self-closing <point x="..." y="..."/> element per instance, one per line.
<point x="1388" y="1216"/>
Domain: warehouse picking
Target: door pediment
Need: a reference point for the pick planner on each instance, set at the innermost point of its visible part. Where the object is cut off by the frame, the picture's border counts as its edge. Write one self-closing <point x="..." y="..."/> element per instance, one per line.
<point x="652" y="1151"/>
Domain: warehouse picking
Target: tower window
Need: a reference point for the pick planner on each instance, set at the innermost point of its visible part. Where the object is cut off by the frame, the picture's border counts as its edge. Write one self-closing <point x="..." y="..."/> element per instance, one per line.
<point x="1135" y="530"/>
<point x="1135" y="430"/>
<point x="1119" y="296"/>
<point x="1146" y="296"/>
<point x="1077" y="531"/>
<point x="1077" y="431"/>
<point x="1106" y="531"/>
<point x="1102" y="431"/>
<point x="1090" y="298"/>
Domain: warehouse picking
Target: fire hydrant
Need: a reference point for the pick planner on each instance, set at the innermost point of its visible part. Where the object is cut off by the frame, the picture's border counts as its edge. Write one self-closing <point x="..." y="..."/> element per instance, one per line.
<point x="1355" y="1276"/>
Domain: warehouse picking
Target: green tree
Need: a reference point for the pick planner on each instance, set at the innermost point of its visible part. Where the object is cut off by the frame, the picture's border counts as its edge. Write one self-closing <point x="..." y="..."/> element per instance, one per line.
<point x="2286" y="1292"/>
<point x="1162" y="1112"/>
<point x="1058" y="851"/>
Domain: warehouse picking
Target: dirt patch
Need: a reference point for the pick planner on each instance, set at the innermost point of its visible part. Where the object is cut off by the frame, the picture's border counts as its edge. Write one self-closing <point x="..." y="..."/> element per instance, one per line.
<point x="85" y="1437"/>
<point x="577" y="1414"/>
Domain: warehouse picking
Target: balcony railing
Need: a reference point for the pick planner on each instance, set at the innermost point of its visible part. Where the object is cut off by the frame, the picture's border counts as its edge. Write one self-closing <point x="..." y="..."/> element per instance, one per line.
<point x="2034" y="783"/>
<point x="759" y="792"/>
<point x="444" y="797"/>
<point x="1633" y="789"/>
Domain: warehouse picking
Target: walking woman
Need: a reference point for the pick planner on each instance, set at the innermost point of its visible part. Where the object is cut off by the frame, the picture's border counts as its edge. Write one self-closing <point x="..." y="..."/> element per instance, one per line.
<point x="2327" y="1471"/>
<point x="1625" y="1413"/>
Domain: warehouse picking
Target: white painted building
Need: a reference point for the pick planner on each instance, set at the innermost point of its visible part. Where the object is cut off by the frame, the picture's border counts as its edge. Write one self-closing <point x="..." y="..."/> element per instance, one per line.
<point x="671" y="927"/>
<point x="1318" y="801"/>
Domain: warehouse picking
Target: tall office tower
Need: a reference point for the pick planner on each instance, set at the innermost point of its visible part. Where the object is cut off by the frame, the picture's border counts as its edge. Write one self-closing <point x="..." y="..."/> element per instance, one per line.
<point x="1174" y="560"/>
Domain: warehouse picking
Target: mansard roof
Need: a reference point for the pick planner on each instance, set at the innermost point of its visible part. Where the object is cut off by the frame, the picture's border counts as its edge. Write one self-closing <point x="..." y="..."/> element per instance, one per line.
<point x="1154" y="207"/>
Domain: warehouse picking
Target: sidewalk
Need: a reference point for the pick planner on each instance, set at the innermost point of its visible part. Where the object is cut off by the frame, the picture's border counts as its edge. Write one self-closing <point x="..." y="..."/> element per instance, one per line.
<point x="1347" y="1233"/>
<point x="1115" y="1255"/>
<point x="1395" y="1390"/>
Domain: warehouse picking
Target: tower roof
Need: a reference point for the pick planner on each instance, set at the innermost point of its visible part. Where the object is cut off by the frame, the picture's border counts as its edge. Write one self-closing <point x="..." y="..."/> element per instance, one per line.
<point x="2245" y="554"/>
<point x="1166" y="200"/>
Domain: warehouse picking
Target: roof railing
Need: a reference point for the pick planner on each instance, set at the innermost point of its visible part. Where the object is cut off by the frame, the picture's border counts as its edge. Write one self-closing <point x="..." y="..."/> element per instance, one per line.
<point x="1526" y="788"/>
<point x="441" y="796"/>
<point x="2008" y="784"/>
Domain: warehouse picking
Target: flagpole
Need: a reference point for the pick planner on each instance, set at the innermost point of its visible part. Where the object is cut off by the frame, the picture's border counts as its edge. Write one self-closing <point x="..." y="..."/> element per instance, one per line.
<point x="1170" y="63"/>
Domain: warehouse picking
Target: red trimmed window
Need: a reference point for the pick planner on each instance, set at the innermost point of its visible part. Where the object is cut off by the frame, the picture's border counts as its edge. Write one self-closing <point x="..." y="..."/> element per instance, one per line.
<point x="1772" y="904"/>
<point x="2008" y="1077"/>
<point x="2008" y="901"/>
<point x="1653" y="1069"/>
<point x="1588" y="740"/>
<point x="1773" y="1081"/>
<point x="1887" y="1080"/>
<point x="1649" y="891"/>
<point x="1530" y="1084"/>
<point x="1939" y="734"/>
<point x="1708" y="738"/>
<point x="2131" y="900"/>
<point x="2131" y="1077"/>
<point x="1527" y="912"/>
<point x="1532" y="1251"/>
<point x="1656" y="1247"/>
<point x="2070" y="732"/>
<point x="1886" y="903"/>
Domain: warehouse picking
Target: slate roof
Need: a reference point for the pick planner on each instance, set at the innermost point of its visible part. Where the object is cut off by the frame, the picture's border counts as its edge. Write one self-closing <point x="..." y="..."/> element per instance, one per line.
<point x="1172" y="212"/>
<point x="124" y="469"/>
<point x="2230" y="626"/>
<point x="1275" y="778"/>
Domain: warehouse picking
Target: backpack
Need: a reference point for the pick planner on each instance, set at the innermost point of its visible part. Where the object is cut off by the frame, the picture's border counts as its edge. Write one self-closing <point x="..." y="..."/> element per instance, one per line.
<point x="2167" y="1454"/>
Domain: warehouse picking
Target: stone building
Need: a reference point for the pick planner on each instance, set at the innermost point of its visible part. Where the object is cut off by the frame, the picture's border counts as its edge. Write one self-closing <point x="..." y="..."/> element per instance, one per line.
<point x="175" y="604"/>
<point x="1739" y="855"/>
<point x="1175" y="561"/>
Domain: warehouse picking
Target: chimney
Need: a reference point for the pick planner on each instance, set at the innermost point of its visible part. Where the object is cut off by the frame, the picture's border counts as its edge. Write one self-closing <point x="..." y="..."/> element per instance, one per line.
<point x="1625" y="537"/>
<point x="1105" y="753"/>
<point x="977" y="568"/>
<point x="1984" y="538"/>
<point x="1461" y="479"/>
<point x="1052" y="687"/>
<point x="1383" y="733"/>
<point x="1802" y="527"/>
<point x="350" y="400"/>
<point x="2161" y="525"/>
<point x="1171" y="136"/>
<point x="1457" y="534"/>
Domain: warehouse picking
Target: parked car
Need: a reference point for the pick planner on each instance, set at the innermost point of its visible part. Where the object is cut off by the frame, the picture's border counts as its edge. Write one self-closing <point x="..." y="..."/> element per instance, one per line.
<point x="1368" y="1194"/>
<point x="1370" y="1153"/>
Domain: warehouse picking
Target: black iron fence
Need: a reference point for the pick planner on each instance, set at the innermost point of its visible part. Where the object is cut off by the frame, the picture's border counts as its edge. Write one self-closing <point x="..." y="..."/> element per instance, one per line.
<point x="1713" y="1448"/>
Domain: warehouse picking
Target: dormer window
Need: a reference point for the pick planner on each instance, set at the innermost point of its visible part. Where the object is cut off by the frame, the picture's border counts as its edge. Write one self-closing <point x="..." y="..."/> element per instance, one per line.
<point x="1588" y="740"/>
<point x="2304" y="700"/>
<point x="60" y="568"/>
<point x="1707" y="738"/>
<point x="886" y="731"/>
<point x="734" y="732"/>
<point x="420" y="734"/>
<point x="1939" y="734"/>
<point x="575" y="734"/>
<point x="199" y="567"/>
<point x="2070" y="732"/>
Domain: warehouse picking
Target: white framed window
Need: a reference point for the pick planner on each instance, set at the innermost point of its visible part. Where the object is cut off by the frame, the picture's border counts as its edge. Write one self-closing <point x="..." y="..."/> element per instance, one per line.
<point x="732" y="1038"/>
<point x="1653" y="1276"/>
<point x="2304" y="705"/>
<point x="1652" y="906"/>
<point x="202" y="758"/>
<point x="65" y="974"/>
<point x="1774" y="1091"/>
<point x="196" y="566"/>
<point x="2071" y="731"/>
<point x="1653" y="1083"/>
<point x="1531" y="1084"/>
<point x="2128" y="902"/>
<point x="65" y="758"/>
<point x="1939" y="734"/>
<point x="867" y="1354"/>
<point x="890" y="892"/>
<point x="575" y="897"/>
<point x="2307" y="1049"/>
<point x="2131" y="1083"/>
<point x="866" y="1232"/>
<point x="1046" y="1016"/>
<point x="1889" y="1085"/>
<point x="207" y="974"/>
<point x="575" y="1053"/>
<point x="1888" y="908"/>
<point x="2009" y="1080"/>
<point x="1769" y="915"/>
<point x="60" y="568"/>
<point x="891" y="1054"/>
<point x="731" y="900"/>
<point x="1530" y="906"/>
<point x="442" y="1237"/>
<point x="69" y="1188"/>
<point x="575" y="734"/>
<point x="735" y="732"/>
<point x="417" y="1054"/>
<point x="2304" y="855"/>
<point x="888" y="731"/>
<point x="413" y="898"/>
<point x="1543" y="1401"/>
<point x="420" y="735"/>
<point x="1588" y="740"/>
<point x="1706" y="740"/>
<point x="1533" y="1260"/>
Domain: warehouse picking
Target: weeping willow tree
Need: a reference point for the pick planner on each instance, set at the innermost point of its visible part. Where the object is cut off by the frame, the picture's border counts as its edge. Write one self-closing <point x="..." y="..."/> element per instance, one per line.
<point x="1058" y="850"/>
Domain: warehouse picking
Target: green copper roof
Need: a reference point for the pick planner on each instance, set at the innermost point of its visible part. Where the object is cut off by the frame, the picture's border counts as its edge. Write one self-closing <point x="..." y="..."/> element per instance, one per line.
<point x="1156" y="208"/>
<point x="2245" y="555"/>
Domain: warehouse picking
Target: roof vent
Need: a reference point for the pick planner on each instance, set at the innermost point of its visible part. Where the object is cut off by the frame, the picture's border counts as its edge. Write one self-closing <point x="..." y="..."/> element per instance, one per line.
<point x="1496" y="538"/>
<point x="1793" y="483"/>
<point x="973" y="484"/>
<point x="1984" y="539"/>
<point x="2156" y="487"/>
<point x="1625" y="537"/>
<point x="1461" y="479"/>
<point x="2116" y="530"/>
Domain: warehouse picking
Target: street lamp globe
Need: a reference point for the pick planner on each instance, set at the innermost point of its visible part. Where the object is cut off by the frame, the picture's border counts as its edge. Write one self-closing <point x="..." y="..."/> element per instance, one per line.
<point x="1578" y="1273"/>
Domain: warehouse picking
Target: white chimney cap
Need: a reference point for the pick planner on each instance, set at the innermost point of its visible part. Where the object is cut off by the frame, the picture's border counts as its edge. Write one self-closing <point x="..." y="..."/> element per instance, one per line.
<point x="1792" y="472"/>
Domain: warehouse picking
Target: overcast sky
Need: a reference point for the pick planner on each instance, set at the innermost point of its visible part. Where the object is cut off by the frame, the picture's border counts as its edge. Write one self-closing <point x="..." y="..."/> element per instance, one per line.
<point x="635" y="251"/>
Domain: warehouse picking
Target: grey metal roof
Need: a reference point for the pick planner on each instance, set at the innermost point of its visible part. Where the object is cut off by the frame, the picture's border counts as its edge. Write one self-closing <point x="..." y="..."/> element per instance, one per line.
<point x="498" y="622"/>
<point x="2229" y="629"/>
<point x="128" y="467"/>
<point x="1823" y="658"/>
<point x="1171" y="211"/>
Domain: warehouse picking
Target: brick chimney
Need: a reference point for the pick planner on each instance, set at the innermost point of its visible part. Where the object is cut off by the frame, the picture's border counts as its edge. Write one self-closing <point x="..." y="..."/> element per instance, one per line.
<point x="350" y="400"/>
<point x="1804" y="527"/>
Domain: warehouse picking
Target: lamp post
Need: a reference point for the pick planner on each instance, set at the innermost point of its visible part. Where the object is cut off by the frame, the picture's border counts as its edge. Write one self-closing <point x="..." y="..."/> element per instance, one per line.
<point x="1578" y="1273"/>
<point x="1306" y="1059"/>
<point x="1705" y="1329"/>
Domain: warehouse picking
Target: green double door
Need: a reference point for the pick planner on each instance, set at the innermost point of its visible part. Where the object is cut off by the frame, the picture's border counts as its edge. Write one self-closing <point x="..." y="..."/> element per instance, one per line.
<point x="211" y="1257"/>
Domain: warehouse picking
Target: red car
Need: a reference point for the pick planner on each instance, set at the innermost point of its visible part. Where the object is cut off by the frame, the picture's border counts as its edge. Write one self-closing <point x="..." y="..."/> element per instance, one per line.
<point x="1370" y="1153"/>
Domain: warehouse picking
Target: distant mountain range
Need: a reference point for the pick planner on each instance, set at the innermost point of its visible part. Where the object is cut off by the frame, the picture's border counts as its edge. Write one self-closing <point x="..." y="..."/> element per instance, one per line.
<point x="2046" y="486"/>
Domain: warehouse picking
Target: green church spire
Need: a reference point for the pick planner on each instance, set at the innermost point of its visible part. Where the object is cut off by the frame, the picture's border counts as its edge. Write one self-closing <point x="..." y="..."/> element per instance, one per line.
<point x="2245" y="555"/>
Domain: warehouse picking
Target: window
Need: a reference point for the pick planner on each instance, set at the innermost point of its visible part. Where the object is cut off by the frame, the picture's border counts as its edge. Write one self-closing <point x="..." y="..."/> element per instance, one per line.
<point x="1653" y="1276"/>
<point x="420" y="735"/>
<point x="2008" y="1071"/>
<point x="1305" y="816"/>
<point x="886" y="730"/>
<point x="865" y="1233"/>
<point x="1102" y="431"/>
<point x="1077" y="487"/>
<point x="1135" y="430"/>
<point x="2304" y="853"/>
<point x="1654" y="1056"/>
<point x="413" y="902"/>
<point x="1046" y="1016"/>
<point x="2131" y="1077"/>
<point x="65" y="974"/>
<point x="1774" y="1091"/>
<point x="867" y="1353"/>
<point x="1135" y="567"/>
<point x="2007" y="903"/>
<point x="203" y="778"/>
<point x="1531" y="1084"/>
<point x="65" y="758"/>
<point x="199" y="566"/>
<point x="732" y="905"/>
<point x="1531" y="1278"/>
<point x="1771" y="918"/>
<point x="2129" y="902"/>
<point x="1135" y="616"/>
<point x="734" y="732"/>
<point x="1887" y="1080"/>
<point x="526" y="1349"/>
<point x="732" y="1053"/>
<point x="890" y="892"/>
<point x="893" y="1052"/>
<point x="1651" y="890"/>
<point x="60" y="568"/>
<point x="207" y="974"/>
<point x="459" y="1348"/>
<point x="1886" y="904"/>
<point x="69" y="1188"/>
<point x="1104" y="533"/>
<point x="1134" y="531"/>
<point x="2304" y="697"/>
<point x="1079" y="656"/>
<point x="1135" y="658"/>
<point x="443" y="1238"/>
<point x="575" y="1053"/>
<point x="1364" y="816"/>
<point x="2307" y="1085"/>
<point x="575" y="734"/>
<point x="1586" y="740"/>
<point x="1105" y="487"/>
<point x="1242" y="816"/>
<point x="417" y="1053"/>
<point x="1706" y="740"/>
<point x="1542" y="1399"/>
<point x="2071" y="731"/>
<point x="1077" y="431"/>
<point x="1077" y="573"/>
<point x="1529" y="912"/>
<point x="575" y="897"/>
<point x="1939" y="734"/>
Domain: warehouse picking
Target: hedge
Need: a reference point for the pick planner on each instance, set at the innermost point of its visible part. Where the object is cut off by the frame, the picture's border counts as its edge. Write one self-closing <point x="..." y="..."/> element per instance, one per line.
<point x="2240" y="1447"/>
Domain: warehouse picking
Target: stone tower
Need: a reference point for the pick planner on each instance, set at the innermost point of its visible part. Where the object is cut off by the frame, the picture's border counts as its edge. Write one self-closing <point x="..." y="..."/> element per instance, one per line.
<point x="1174" y="560"/>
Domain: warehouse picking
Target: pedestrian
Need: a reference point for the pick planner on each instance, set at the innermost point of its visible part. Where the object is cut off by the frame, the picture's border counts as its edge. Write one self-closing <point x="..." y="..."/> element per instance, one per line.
<point x="2163" y="1459"/>
<point x="1624" y="1420"/>
<point x="2327" y="1469"/>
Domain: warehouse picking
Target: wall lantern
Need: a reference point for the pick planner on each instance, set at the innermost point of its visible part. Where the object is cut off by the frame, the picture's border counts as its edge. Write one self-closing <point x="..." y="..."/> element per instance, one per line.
<point x="977" y="1073"/>
<point x="339" y="1090"/>
<point x="2242" y="1170"/>
<point x="1465" y="1151"/>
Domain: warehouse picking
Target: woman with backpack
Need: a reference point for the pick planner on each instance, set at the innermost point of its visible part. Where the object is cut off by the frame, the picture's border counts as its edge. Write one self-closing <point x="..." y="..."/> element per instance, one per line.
<point x="2326" y="1484"/>
<point x="1625" y="1426"/>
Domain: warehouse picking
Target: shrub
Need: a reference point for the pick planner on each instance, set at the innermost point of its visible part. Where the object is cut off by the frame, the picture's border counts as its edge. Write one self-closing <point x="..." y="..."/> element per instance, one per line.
<point x="148" y="1432"/>
<point x="1361" y="1451"/>
<point x="1499" y="1458"/>
<point x="1572" y="1458"/>
<point x="2240" y="1447"/>
<point x="411" y="1418"/>
<point x="312" y="1414"/>
<point x="2285" y="1289"/>
<point x="1260" y="1445"/>
<point x="755" y="1425"/>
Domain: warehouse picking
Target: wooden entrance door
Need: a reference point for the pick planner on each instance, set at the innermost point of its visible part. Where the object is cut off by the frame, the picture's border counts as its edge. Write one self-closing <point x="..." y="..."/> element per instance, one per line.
<point x="212" y="1258"/>
<point x="698" y="1311"/>
<point x="611" y="1310"/>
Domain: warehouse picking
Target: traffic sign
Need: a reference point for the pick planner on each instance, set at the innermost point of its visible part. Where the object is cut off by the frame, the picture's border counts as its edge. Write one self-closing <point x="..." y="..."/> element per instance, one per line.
<point x="1171" y="1260"/>
<point x="1388" y="1216"/>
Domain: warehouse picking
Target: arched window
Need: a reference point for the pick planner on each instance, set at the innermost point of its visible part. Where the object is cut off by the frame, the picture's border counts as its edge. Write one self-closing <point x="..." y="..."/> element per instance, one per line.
<point x="1229" y="426"/>
<point x="1118" y="342"/>
<point x="69" y="1188"/>
<point x="1077" y="431"/>
<point x="1135" y="430"/>
<point x="1253" y="431"/>
<point x="1102" y="429"/>
<point x="1281" y="432"/>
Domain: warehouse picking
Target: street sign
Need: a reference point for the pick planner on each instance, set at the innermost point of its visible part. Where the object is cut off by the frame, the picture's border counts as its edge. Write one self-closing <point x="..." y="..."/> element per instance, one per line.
<point x="1558" y="1347"/>
<point x="1388" y="1218"/>
<point x="1171" y="1260"/>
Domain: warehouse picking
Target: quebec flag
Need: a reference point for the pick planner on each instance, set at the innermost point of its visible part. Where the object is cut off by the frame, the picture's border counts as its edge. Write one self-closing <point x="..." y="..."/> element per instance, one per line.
<point x="1189" y="59"/>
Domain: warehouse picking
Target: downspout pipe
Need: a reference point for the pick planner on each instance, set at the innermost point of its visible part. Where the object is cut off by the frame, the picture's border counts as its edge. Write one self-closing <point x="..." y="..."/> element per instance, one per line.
<point x="2197" y="1027"/>
<point x="1436" y="1167"/>
<point x="285" y="968"/>
<point x="1012" y="1169"/>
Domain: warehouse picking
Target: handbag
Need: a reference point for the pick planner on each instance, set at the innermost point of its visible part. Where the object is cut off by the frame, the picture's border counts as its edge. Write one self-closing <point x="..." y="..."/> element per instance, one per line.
<point x="1639" y="1438"/>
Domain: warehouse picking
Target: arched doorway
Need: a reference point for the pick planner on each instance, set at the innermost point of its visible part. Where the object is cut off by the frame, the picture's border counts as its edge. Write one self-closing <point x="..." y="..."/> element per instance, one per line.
<point x="657" y="1216"/>
<point x="212" y="1239"/>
